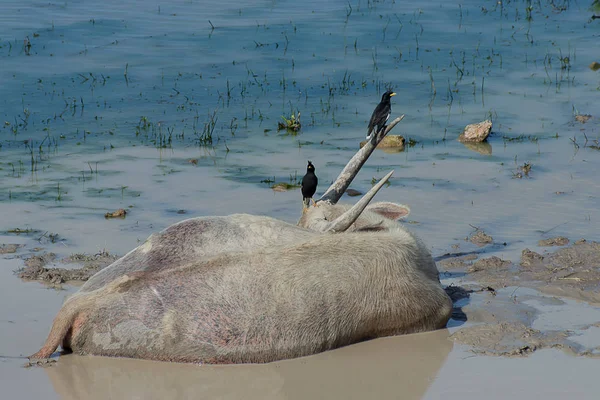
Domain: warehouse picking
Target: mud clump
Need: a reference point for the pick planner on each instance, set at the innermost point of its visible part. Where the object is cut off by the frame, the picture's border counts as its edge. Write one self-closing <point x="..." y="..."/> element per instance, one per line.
<point x="583" y="118"/>
<point x="46" y="362"/>
<point x="284" y="187"/>
<point x="480" y="238"/>
<point x="120" y="213"/>
<point x="556" y="241"/>
<point x="574" y="268"/>
<point x="9" y="248"/>
<point x="353" y="192"/>
<point x="36" y="270"/>
<point x="508" y="339"/>
<point x="457" y="262"/>
<point x="529" y="258"/>
<point x="488" y="263"/>
<point x="36" y="262"/>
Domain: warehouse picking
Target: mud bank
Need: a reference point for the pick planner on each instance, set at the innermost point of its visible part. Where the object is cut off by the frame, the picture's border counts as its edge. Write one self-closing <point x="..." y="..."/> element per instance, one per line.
<point x="571" y="271"/>
<point x="514" y="297"/>
<point x="76" y="267"/>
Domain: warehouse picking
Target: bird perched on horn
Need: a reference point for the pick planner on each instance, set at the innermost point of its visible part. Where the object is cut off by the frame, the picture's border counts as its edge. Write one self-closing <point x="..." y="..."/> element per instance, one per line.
<point x="381" y="114"/>
<point x="309" y="185"/>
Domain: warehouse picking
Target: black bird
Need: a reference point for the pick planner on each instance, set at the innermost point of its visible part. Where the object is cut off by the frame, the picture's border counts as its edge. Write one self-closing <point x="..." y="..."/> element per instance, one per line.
<point x="309" y="185"/>
<point x="381" y="114"/>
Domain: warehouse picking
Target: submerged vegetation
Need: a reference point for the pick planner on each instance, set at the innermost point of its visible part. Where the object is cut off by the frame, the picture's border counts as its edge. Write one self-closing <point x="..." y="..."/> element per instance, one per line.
<point x="321" y="62"/>
<point x="522" y="171"/>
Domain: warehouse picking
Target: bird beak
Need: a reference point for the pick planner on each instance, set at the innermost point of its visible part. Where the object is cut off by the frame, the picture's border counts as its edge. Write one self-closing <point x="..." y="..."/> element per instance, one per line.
<point x="393" y="94"/>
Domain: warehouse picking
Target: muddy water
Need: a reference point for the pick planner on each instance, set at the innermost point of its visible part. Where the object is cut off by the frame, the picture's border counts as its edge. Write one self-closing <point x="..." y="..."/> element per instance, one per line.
<point x="307" y="378"/>
<point x="112" y="104"/>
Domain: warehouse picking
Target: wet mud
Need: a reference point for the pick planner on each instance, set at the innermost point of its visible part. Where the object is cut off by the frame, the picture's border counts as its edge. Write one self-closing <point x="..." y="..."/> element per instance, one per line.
<point x="77" y="267"/>
<point x="486" y="264"/>
<point x="9" y="248"/>
<point x="502" y="322"/>
<point x="570" y="270"/>
<point x="480" y="238"/>
<point x="509" y="339"/>
<point x="556" y="241"/>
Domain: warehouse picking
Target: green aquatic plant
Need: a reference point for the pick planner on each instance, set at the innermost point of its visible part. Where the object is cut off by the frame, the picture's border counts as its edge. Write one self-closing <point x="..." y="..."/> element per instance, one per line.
<point x="268" y="180"/>
<point x="27" y="46"/>
<point x="375" y="180"/>
<point x="292" y="123"/>
<point x="206" y="136"/>
<point x="144" y="125"/>
<point x="18" y="231"/>
<point x="520" y="138"/>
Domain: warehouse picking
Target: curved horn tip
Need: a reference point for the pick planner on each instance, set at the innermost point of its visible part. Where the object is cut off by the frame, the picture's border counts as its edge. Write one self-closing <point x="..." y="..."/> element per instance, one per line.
<point x="344" y="221"/>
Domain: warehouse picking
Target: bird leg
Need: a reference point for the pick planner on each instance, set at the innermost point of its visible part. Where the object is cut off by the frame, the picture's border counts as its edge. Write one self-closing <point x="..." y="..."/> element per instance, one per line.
<point x="314" y="202"/>
<point x="380" y="132"/>
<point x="305" y="205"/>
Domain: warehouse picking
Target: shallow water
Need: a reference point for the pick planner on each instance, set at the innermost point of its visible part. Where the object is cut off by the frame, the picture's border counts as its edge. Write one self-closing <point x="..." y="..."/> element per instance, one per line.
<point x="110" y="103"/>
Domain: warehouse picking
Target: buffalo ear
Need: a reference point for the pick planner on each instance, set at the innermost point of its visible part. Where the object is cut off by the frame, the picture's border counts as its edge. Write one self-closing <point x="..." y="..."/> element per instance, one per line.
<point x="389" y="210"/>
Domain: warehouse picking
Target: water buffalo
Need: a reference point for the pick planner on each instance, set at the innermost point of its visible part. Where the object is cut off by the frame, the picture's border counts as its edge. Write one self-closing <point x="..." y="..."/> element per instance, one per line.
<point x="243" y="288"/>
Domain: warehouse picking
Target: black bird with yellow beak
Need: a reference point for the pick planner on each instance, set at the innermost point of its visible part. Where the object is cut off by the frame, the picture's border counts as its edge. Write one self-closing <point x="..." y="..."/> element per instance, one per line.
<point x="381" y="114"/>
<point x="309" y="185"/>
